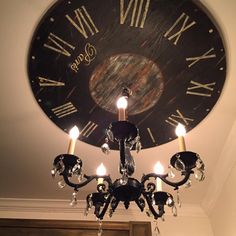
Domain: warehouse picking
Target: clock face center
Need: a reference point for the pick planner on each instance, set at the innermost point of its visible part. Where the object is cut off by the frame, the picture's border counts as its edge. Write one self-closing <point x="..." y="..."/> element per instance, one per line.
<point x="138" y="73"/>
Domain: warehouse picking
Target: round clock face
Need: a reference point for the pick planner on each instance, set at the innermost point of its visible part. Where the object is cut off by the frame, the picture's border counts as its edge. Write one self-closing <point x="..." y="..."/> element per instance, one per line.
<point x="167" y="52"/>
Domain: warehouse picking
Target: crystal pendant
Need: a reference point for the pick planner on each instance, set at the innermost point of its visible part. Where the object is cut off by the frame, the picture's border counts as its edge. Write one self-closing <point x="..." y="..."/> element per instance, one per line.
<point x="178" y="199"/>
<point x="100" y="228"/>
<point x="61" y="184"/>
<point x="163" y="218"/>
<point x="80" y="177"/>
<point x="53" y="172"/>
<point x="174" y="211"/>
<point x="124" y="179"/>
<point x="74" y="199"/>
<point x="110" y="213"/>
<point x="170" y="202"/>
<point x="138" y="146"/>
<point x="171" y="173"/>
<point x="156" y="229"/>
<point x="110" y="135"/>
<point x="86" y="211"/>
<point x="199" y="175"/>
<point x="200" y="165"/>
<point x="105" y="148"/>
<point x="188" y="184"/>
<point x="148" y="212"/>
<point x="179" y="165"/>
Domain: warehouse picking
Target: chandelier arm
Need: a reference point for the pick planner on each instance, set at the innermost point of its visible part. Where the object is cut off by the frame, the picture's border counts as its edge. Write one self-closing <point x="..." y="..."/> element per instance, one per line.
<point x="101" y="215"/>
<point x="149" y="202"/>
<point x="163" y="178"/>
<point x="88" y="180"/>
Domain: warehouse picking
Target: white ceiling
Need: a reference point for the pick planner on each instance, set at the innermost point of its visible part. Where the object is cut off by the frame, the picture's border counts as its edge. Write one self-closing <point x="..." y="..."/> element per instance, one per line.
<point x="30" y="141"/>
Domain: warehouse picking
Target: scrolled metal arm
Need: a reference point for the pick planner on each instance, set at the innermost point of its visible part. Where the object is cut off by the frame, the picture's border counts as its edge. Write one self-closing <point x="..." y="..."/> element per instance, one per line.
<point x="163" y="178"/>
<point x="88" y="180"/>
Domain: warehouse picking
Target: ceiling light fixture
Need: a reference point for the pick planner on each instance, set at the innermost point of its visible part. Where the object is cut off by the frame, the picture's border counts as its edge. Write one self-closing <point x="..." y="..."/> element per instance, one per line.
<point x="146" y="193"/>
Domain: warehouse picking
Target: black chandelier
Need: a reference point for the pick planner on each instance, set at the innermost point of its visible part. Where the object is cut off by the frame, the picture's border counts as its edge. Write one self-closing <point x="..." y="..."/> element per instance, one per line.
<point x="146" y="193"/>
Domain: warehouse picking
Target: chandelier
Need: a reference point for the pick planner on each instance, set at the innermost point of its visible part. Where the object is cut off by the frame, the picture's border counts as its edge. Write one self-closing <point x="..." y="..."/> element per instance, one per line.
<point x="147" y="193"/>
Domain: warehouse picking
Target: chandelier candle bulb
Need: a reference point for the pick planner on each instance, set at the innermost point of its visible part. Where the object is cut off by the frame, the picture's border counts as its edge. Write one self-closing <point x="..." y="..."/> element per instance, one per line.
<point x="158" y="169"/>
<point x="122" y="104"/>
<point x="74" y="134"/>
<point x="101" y="170"/>
<point x="180" y="132"/>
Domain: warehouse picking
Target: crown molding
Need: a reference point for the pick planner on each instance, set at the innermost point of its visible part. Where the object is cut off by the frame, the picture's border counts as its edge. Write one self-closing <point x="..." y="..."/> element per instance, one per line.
<point x="60" y="209"/>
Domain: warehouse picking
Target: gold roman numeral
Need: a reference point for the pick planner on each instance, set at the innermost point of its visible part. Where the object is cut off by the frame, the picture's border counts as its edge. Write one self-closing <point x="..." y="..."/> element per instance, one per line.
<point x="206" y="55"/>
<point x="83" y="21"/>
<point x="172" y="34"/>
<point x="139" y="12"/>
<point x="151" y="135"/>
<point x="64" y="110"/>
<point x="43" y="82"/>
<point x="202" y="87"/>
<point x="89" y="129"/>
<point x="178" y="117"/>
<point x="57" y="44"/>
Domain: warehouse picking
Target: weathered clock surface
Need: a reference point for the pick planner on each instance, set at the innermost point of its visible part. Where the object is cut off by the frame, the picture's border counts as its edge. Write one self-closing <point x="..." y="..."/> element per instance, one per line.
<point x="168" y="52"/>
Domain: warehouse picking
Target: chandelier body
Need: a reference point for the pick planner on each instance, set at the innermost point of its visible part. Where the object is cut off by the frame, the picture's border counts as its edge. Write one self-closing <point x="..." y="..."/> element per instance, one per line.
<point x="126" y="189"/>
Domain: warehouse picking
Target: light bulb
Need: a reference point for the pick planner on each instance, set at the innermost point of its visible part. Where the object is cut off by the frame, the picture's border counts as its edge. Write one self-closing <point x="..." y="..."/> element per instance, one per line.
<point x="74" y="132"/>
<point x="180" y="130"/>
<point x="158" y="168"/>
<point x="101" y="170"/>
<point x="122" y="103"/>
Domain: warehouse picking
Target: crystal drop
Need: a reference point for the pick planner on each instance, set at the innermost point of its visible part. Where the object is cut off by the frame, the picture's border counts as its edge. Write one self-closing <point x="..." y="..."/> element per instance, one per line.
<point x="174" y="211"/>
<point x="178" y="199"/>
<point x="124" y="180"/>
<point x="138" y="146"/>
<point x="100" y="228"/>
<point x="171" y="174"/>
<point x="199" y="175"/>
<point x="61" y="184"/>
<point x="53" y="172"/>
<point x="110" y="135"/>
<point x="179" y="165"/>
<point x="105" y="148"/>
<point x="187" y="184"/>
<point x="110" y="213"/>
<point x="200" y="165"/>
<point x="86" y="212"/>
<point x="170" y="202"/>
<point x="73" y="202"/>
<point x="148" y="213"/>
<point x="80" y="177"/>
<point x="156" y="230"/>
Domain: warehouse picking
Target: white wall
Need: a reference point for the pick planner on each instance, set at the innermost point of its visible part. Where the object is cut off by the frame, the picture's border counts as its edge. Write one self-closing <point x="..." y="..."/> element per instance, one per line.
<point x="223" y="215"/>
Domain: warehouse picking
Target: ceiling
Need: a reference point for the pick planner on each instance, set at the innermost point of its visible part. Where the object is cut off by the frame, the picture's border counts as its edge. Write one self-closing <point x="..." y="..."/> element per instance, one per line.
<point x="30" y="141"/>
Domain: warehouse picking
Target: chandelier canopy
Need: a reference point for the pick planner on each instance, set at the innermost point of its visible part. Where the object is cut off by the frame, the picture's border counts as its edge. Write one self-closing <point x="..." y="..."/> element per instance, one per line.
<point x="147" y="193"/>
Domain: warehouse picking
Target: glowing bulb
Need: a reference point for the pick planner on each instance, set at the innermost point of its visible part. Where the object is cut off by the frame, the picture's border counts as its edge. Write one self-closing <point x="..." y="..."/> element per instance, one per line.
<point x="101" y="170"/>
<point x="158" y="168"/>
<point x="122" y="103"/>
<point x="74" y="132"/>
<point x="180" y="130"/>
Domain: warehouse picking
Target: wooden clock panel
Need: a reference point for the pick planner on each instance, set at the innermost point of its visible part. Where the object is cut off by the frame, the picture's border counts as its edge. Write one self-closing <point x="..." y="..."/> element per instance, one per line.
<point x="168" y="52"/>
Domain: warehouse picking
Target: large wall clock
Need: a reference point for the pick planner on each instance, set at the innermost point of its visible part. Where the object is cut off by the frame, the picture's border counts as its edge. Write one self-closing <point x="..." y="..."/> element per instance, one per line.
<point x="168" y="52"/>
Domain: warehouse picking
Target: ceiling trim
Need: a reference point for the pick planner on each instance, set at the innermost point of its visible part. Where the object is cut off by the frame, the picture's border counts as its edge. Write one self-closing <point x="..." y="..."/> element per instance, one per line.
<point x="60" y="209"/>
